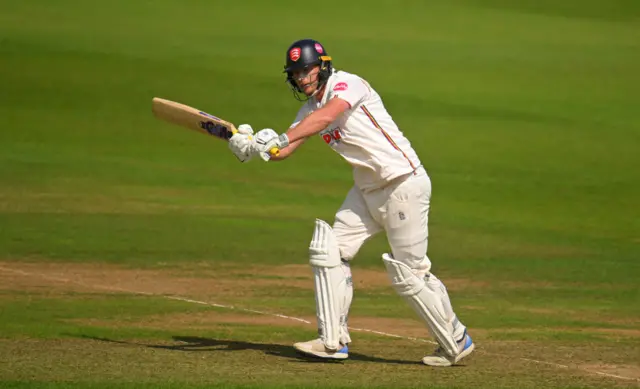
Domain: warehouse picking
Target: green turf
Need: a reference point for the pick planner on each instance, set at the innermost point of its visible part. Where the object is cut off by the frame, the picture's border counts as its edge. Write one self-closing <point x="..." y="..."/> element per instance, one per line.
<point x="525" y="114"/>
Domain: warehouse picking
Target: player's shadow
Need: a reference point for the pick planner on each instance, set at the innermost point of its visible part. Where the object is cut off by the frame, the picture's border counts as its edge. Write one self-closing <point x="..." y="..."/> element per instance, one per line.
<point x="199" y="344"/>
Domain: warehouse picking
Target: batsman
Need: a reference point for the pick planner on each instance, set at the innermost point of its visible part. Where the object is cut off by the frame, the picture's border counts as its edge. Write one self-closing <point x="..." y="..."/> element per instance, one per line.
<point x="391" y="193"/>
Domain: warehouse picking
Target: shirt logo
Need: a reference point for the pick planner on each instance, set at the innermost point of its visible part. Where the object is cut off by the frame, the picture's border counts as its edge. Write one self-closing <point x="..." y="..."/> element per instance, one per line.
<point x="332" y="136"/>
<point x="341" y="86"/>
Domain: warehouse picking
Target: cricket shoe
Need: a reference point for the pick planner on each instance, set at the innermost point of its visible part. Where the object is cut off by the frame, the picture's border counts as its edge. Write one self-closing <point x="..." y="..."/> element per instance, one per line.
<point x="316" y="348"/>
<point x="442" y="359"/>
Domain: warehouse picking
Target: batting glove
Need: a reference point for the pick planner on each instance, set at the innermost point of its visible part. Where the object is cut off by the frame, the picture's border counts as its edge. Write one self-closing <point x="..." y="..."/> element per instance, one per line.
<point x="268" y="139"/>
<point x="245" y="129"/>
<point x="242" y="146"/>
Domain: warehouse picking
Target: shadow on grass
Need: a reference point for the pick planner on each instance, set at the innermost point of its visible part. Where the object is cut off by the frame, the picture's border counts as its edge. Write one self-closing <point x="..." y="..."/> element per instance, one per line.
<point x="198" y="344"/>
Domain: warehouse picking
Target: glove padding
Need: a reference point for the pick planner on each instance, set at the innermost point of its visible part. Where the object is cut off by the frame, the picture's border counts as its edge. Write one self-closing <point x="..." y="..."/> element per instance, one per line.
<point x="245" y="129"/>
<point x="242" y="143"/>
<point x="269" y="140"/>
<point x="263" y="137"/>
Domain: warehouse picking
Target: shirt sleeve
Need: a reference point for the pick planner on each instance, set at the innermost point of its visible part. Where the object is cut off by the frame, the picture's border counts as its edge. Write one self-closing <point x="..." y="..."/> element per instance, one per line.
<point x="351" y="90"/>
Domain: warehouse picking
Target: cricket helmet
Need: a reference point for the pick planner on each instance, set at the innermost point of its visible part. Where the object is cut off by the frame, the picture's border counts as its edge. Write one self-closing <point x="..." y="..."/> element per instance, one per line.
<point x="304" y="54"/>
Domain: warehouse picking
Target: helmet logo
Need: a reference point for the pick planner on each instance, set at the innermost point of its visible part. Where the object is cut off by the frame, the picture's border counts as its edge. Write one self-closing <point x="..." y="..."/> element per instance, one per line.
<point x="341" y="86"/>
<point x="294" y="54"/>
<point x="319" y="48"/>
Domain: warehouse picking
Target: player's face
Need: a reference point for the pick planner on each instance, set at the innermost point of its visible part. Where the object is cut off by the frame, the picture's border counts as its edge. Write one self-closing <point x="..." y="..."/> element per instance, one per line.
<point x="307" y="79"/>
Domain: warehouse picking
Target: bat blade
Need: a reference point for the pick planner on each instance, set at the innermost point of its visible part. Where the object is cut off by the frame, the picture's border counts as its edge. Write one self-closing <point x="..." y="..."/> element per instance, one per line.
<point x="192" y="118"/>
<point x="195" y="119"/>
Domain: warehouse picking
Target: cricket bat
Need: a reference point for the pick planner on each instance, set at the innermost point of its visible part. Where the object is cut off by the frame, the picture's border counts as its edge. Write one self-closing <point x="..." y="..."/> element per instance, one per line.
<point x="195" y="119"/>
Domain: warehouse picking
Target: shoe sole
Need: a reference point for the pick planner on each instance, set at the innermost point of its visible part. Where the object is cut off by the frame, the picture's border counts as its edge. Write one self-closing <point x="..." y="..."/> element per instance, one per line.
<point x="448" y="363"/>
<point x="444" y="363"/>
<point x="320" y="354"/>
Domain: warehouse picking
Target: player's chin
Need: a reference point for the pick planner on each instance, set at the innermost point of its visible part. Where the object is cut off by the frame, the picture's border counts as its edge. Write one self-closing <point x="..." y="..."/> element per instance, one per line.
<point x="309" y="90"/>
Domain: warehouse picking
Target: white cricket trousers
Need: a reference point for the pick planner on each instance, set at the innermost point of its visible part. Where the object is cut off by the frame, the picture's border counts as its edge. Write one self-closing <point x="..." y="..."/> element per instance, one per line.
<point x="401" y="209"/>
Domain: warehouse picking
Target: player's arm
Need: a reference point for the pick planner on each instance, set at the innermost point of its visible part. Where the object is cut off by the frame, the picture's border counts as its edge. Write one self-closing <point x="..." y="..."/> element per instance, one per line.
<point x="287" y="151"/>
<point x="317" y="121"/>
<point x="344" y="95"/>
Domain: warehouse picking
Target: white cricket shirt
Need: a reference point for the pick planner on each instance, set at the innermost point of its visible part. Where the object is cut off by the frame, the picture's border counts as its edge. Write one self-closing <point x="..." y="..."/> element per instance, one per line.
<point x="365" y="135"/>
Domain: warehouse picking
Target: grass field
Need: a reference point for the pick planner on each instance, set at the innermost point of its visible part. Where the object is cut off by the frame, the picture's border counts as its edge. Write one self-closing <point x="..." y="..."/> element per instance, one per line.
<point x="134" y="254"/>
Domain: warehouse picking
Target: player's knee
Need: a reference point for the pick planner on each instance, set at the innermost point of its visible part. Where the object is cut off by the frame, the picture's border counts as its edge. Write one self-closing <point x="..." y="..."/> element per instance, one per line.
<point x="346" y="219"/>
<point x="323" y="249"/>
<point x="420" y="265"/>
<point x="347" y="251"/>
<point x="403" y="278"/>
<point x="347" y="245"/>
<point x="414" y="257"/>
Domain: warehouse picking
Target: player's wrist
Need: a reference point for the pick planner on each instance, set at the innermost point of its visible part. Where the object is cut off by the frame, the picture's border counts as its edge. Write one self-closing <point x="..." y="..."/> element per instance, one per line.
<point x="283" y="140"/>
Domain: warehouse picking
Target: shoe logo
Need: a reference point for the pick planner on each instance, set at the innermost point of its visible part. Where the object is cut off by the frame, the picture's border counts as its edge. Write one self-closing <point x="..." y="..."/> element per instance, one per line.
<point x="401" y="215"/>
